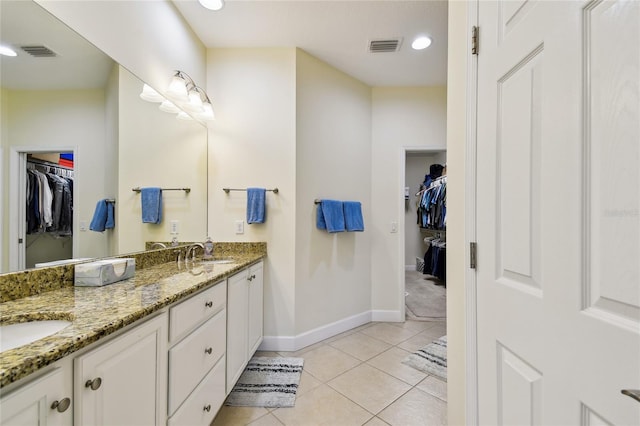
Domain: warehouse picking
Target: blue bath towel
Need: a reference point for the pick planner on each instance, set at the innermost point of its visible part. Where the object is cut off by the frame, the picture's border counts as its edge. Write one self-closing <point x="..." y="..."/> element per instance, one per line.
<point x="99" y="217"/>
<point x="353" y="216"/>
<point x="330" y="216"/>
<point x="151" y="199"/>
<point x="110" y="223"/>
<point x="256" y="205"/>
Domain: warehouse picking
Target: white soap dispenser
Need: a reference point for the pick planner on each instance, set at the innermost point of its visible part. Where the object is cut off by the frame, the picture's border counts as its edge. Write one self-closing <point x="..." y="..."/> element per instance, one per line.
<point x="208" y="248"/>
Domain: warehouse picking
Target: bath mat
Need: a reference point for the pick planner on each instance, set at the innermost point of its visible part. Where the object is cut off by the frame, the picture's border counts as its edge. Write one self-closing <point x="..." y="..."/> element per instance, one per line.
<point x="432" y="359"/>
<point x="267" y="382"/>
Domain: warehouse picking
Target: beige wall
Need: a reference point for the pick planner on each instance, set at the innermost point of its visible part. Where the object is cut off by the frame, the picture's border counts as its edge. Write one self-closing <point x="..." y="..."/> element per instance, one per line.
<point x="333" y="147"/>
<point x="253" y="143"/>
<point x="156" y="149"/>
<point x="408" y="117"/>
<point x="456" y="250"/>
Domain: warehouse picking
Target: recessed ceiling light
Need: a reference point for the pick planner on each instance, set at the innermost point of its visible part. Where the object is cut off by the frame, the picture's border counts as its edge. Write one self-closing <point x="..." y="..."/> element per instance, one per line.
<point x="421" y="42"/>
<point x="212" y="4"/>
<point x="7" y="51"/>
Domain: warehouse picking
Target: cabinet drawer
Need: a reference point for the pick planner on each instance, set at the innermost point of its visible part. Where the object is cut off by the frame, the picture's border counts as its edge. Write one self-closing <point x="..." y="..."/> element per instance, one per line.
<point x="193" y="357"/>
<point x="203" y="404"/>
<point x="188" y="314"/>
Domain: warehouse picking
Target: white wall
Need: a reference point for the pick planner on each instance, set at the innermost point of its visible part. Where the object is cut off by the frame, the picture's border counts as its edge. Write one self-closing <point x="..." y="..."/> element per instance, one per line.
<point x="111" y="149"/>
<point x="4" y="178"/>
<point x="63" y="119"/>
<point x="402" y="117"/>
<point x="149" y="38"/>
<point x="253" y="143"/>
<point x="416" y="167"/>
<point x="156" y="149"/>
<point x="333" y="146"/>
<point x="456" y="172"/>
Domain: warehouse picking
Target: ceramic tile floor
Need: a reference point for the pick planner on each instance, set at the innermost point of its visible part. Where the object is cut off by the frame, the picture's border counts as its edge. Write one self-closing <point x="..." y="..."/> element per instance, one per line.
<point x="357" y="378"/>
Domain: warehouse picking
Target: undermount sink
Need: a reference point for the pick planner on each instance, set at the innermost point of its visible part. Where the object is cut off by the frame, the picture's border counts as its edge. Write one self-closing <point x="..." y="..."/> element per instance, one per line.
<point x="22" y="333"/>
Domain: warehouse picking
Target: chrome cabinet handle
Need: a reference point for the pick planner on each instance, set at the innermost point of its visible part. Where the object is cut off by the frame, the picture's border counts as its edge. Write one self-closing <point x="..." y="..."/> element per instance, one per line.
<point x="251" y="277"/>
<point x="208" y="351"/>
<point x="207" y="408"/>
<point x="61" y="405"/>
<point x="208" y="304"/>
<point x="633" y="393"/>
<point x="93" y="384"/>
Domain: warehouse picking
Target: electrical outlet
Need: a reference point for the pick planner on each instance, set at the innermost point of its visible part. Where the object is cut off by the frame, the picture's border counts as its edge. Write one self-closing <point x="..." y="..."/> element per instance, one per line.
<point x="239" y="226"/>
<point x="174" y="227"/>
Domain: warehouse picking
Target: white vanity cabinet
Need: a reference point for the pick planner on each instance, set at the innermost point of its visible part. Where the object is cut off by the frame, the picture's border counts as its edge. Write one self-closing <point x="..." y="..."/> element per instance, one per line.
<point x="46" y="400"/>
<point x="198" y="330"/>
<point x="123" y="381"/>
<point x="244" y="319"/>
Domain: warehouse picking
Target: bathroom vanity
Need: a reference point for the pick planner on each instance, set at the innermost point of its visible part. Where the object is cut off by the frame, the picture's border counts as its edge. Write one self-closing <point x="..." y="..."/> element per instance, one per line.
<point x="164" y="347"/>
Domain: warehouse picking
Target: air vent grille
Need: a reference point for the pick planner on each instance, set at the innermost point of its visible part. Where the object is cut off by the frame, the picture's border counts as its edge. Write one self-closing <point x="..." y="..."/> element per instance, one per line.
<point x="39" y="51"/>
<point x="385" y="45"/>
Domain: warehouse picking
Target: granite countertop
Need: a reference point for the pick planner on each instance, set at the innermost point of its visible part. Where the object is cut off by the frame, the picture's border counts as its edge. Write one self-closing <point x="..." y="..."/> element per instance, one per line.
<point x="96" y="312"/>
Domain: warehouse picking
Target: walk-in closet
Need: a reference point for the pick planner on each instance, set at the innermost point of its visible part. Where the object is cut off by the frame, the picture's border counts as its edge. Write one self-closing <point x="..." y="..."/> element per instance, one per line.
<point x="49" y="207"/>
<point x="425" y="235"/>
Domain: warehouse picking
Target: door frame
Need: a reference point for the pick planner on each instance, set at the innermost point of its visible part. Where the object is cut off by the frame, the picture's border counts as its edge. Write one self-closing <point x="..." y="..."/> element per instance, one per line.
<point x="470" y="285"/>
<point x="17" y="189"/>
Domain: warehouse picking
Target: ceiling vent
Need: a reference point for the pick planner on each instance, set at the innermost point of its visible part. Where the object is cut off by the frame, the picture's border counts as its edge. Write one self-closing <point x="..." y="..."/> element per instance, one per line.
<point x="39" y="51"/>
<point x="385" y="45"/>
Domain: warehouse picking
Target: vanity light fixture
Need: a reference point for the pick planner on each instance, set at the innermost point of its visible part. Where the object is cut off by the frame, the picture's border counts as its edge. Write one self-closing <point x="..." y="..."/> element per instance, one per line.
<point x="179" y="86"/>
<point x="421" y="42"/>
<point x="7" y="51"/>
<point x="212" y="4"/>
<point x="184" y="116"/>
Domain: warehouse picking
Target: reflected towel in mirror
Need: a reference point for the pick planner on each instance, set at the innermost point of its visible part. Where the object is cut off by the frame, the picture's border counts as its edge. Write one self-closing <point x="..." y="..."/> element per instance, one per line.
<point x="151" y="199"/>
<point x="103" y="217"/>
<point x="330" y="216"/>
<point x="353" y="216"/>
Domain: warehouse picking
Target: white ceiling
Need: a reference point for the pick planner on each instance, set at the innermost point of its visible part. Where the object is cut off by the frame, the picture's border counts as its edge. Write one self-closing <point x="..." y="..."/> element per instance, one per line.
<point x="335" y="31"/>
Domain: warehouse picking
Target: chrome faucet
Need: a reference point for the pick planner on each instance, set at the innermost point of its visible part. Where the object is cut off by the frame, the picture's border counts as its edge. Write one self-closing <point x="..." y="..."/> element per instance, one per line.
<point x="192" y="250"/>
<point x="157" y="245"/>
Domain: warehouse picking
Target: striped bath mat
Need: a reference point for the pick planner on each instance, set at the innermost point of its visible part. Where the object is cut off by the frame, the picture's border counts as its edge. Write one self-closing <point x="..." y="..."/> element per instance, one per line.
<point x="267" y="382"/>
<point x="432" y="359"/>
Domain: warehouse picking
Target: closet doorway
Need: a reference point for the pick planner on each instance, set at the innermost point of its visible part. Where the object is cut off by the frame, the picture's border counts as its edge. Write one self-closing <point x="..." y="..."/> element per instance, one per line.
<point x="36" y="237"/>
<point x="425" y="234"/>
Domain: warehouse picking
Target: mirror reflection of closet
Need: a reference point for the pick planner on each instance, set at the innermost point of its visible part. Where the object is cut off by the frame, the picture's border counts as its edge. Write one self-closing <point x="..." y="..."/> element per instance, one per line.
<point x="48" y="199"/>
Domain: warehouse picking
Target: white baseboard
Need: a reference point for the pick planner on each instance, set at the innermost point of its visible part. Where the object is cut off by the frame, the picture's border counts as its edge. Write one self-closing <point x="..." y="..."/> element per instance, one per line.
<point x="294" y="343"/>
<point x="410" y="267"/>
<point x="386" y="316"/>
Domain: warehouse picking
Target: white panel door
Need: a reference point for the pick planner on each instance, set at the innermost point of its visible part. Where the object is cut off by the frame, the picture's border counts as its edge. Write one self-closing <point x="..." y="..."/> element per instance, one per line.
<point x="558" y="212"/>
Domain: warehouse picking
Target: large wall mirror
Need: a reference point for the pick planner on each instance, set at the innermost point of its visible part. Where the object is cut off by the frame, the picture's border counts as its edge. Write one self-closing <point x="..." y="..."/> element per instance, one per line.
<point x="66" y="96"/>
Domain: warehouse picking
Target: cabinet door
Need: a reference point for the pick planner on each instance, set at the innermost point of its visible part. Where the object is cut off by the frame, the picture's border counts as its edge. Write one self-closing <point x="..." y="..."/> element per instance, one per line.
<point x="45" y="401"/>
<point x="237" y="322"/>
<point x="123" y="381"/>
<point x="256" y="308"/>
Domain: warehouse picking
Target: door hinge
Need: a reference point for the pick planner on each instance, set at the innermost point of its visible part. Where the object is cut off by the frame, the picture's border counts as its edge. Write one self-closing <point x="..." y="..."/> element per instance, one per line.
<point x="20" y="240"/>
<point x="474" y="40"/>
<point x="472" y="255"/>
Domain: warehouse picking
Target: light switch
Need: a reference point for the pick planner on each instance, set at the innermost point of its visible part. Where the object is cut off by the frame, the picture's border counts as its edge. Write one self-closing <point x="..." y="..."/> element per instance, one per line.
<point x="174" y="227"/>
<point x="83" y="225"/>
<point x="239" y="226"/>
<point x="394" y="227"/>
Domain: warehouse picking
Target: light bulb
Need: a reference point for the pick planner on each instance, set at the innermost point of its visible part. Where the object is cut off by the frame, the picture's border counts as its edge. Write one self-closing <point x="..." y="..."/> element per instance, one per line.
<point x="421" y="42"/>
<point x="178" y="89"/>
<point x="195" y="102"/>
<point x="150" y="95"/>
<point x="183" y="116"/>
<point x="7" y="51"/>
<point x="212" y="4"/>
<point x="168" y="106"/>
<point x="207" y="114"/>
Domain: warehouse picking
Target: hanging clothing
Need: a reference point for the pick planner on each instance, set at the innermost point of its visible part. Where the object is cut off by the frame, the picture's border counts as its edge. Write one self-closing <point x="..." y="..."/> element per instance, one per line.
<point x="49" y="198"/>
<point x="435" y="260"/>
<point x="432" y="205"/>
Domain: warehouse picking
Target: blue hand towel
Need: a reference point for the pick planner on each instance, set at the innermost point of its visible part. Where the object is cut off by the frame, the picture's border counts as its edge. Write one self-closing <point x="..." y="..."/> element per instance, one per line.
<point x="151" y="199"/>
<point x="99" y="217"/>
<point x="256" y="205"/>
<point x="330" y="216"/>
<point x="353" y="216"/>
<point x="110" y="223"/>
